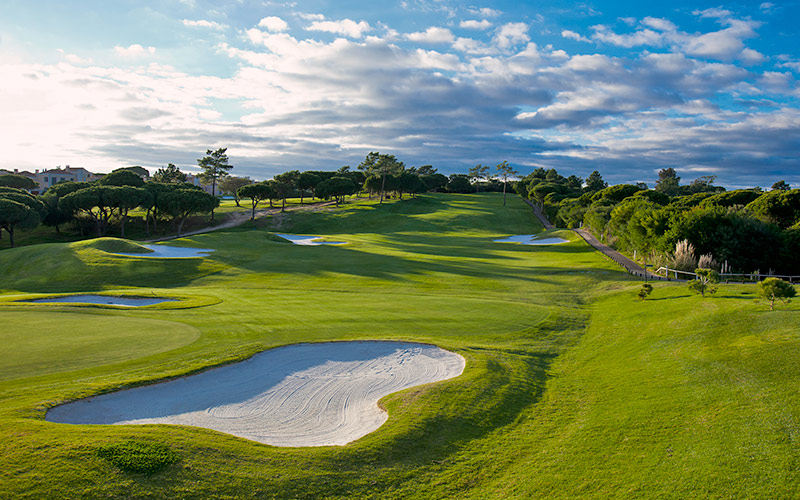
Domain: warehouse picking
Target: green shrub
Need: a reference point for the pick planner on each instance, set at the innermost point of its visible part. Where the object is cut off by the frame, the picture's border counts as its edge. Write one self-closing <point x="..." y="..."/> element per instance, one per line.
<point x="646" y="290"/>
<point x="772" y="289"/>
<point x="138" y="456"/>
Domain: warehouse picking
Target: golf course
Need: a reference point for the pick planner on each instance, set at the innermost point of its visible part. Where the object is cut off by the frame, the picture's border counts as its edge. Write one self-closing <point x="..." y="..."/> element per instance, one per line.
<point x="572" y="387"/>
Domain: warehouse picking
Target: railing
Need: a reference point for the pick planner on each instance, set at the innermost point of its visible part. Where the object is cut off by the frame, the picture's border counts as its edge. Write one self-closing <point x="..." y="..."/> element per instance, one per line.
<point x="727" y="277"/>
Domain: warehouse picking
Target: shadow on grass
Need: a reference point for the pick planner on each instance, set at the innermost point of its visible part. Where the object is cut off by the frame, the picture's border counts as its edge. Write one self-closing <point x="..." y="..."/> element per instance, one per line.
<point x="66" y="268"/>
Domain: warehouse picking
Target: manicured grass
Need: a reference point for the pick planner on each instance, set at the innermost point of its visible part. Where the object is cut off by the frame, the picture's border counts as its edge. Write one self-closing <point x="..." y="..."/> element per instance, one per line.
<point x="48" y="342"/>
<point x="573" y="387"/>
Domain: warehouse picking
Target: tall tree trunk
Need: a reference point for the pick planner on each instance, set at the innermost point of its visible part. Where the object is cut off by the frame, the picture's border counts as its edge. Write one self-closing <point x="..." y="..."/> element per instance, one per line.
<point x="504" y="192"/>
<point x="147" y="223"/>
<point x="122" y="226"/>
<point x="253" y="213"/>
<point x="213" y="193"/>
<point x="301" y="196"/>
<point x="10" y="231"/>
<point x="283" y="204"/>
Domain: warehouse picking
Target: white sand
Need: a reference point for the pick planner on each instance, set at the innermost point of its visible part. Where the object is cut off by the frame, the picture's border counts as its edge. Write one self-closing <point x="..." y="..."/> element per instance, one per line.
<point x="530" y="239"/>
<point x="298" y="395"/>
<point x="104" y="299"/>
<point x="167" y="252"/>
<point x="306" y="240"/>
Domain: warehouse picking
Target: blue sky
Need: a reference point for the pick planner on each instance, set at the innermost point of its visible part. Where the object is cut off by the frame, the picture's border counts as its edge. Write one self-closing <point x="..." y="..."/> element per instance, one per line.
<point x="623" y="87"/>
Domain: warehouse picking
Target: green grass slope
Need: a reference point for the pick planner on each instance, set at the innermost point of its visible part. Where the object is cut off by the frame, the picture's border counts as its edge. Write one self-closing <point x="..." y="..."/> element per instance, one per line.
<point x="573" y="388"/>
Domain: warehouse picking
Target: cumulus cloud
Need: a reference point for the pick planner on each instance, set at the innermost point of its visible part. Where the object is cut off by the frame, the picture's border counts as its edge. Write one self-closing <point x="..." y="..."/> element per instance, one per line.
<point x="432" y="35"/>
<point x="202" y="23"/>
<point x="511" y="34"/>
<point x="320" y="104"/>
<point x="724" y="44"/>
<point x="485" y="12"/>
<point x="346" y="27"/>
<point x="659" y="24"/>
<point x="310" y="17"/>
<point x="134" y="51"/>
<point x="574" y="36"/>
<point x="273" y="24"/>
<point x="473" y="24"/>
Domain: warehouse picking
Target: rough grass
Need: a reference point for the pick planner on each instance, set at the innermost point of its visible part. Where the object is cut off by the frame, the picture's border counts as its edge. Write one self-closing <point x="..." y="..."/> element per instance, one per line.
<point x="573" y="386"/>
<point x="139" y="457"/>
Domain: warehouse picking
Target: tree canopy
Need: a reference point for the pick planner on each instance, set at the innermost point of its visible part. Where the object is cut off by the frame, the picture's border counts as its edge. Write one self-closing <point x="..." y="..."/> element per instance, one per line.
<point x="169" y="174"/>
<point x="17" y="181"/>
<point x="19" y="210"/>
<point x="256" y="192"/>
<point x="772" y="289"/>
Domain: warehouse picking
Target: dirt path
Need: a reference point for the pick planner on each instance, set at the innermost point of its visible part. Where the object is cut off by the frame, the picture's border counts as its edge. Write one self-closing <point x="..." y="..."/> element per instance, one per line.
<point x="238" y="218"/>
<point x="629" y="265"/>
<point x="538" y="213"/>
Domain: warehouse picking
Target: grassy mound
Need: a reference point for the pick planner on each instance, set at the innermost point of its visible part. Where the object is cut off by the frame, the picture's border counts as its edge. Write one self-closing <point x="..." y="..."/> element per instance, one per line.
<point x="84" y="266"/>
<point x="138" y="456"/>
<point x="113" y="245"/>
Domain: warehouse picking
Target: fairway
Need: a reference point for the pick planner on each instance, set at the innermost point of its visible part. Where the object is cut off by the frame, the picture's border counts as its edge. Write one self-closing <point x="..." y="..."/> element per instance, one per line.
<point x="573" y="388"/>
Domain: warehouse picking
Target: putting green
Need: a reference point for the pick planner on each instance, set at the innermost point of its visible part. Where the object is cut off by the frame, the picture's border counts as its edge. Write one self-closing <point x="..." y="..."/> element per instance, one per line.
<point x="50" y="342"/>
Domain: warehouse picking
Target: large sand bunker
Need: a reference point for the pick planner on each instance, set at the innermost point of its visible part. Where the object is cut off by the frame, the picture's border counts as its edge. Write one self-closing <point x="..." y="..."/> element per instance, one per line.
<point x="305" y="240"/>
<point x="104" y="300"/>
<point x="297" y="395"/>
<point x="167" y="252"/>
<point x="530" y="239"/>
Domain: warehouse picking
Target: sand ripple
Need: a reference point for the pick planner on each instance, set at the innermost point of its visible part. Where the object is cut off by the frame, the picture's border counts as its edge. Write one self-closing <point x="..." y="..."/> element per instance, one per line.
<point x="298" y="395"/>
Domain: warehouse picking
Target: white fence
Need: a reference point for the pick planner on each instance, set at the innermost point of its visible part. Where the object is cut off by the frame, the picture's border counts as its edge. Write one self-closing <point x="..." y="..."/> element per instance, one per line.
<point x="755" y="277"/>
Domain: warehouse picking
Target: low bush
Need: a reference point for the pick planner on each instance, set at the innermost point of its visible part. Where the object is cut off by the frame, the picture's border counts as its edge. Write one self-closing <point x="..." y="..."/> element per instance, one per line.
<point x="138" y="456"/>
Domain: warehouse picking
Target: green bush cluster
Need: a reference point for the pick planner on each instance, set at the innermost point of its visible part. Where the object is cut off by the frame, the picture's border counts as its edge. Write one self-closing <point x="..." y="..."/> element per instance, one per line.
<point x="749" y="229"/>
<point x="139" y="457"/>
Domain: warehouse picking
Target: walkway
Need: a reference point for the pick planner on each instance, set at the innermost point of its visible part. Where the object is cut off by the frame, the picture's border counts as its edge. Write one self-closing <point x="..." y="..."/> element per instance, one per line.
<point x="238" y="218"/>
<point x="629" y="265"/>
<point x="538" y="213"/>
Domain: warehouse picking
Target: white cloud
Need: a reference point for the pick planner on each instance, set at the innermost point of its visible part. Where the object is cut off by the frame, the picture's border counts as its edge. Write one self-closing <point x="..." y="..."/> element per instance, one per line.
<point x="766" y="6"/>
<point x="472" y="46"/>
<point x="273" y="24"/>
<point x="795" y="66"/>
<point x="750" y="56"/>
<point x="486" y="12"/>
<point x="628" y="40"/>
<point x="134" y="51"/>
<point x="202" y="23"/>
<point x="432" y="35"/>
<point x="346" y="27"/>
<point x="659" y="24"/>
<point x="73" y="58"/>
<point x="574" y="36"/>
<point x="324" y="102"/>
<point x="511" y="34"/>
<point x="714" y="12"/>
<point x="473" y="24"/>
<point x="310" y="17"/>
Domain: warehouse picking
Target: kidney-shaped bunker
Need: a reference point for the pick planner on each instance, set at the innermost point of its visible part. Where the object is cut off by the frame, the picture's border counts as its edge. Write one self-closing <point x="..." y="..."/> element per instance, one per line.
<point x="298" y="395"/>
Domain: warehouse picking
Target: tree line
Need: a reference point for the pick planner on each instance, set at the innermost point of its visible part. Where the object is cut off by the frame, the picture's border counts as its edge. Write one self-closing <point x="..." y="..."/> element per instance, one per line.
<point x="684" y="226"/>
<point x="96" y="206"/>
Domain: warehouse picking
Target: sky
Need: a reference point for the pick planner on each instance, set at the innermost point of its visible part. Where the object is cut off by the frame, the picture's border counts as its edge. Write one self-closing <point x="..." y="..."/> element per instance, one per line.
<point x="622" y="87"/>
